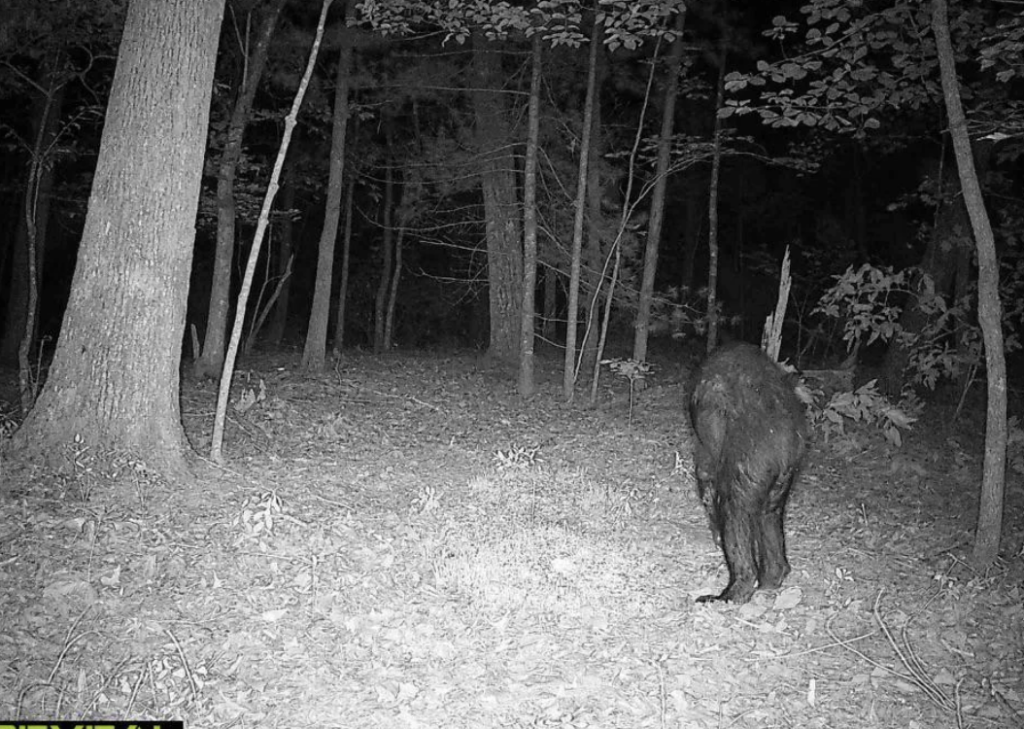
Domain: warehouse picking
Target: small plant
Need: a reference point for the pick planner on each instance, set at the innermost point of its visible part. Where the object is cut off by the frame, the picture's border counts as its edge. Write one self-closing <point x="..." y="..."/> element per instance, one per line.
<point x="633" y="371"/>
<point x="867" y="405"/>
<point x="868" y="302"/>
<point x="259" y="513"/>
<point x="426" y="499"/>
<point x="863" y="299"/>
<point x="517" y="458"/>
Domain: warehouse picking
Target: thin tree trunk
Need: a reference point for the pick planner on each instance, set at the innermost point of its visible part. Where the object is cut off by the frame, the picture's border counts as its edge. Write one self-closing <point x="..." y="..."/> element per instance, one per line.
<point x="716" y="165"/>
<point x="550" y="302"/>
<point x="668" y="114"/>
<point x="217" y="441"/>
<point x="596" y="377"/>
<point x="691" y="236"/>
<point x="387" y="236"/>
<point x="592" y="279"/>
<point x="990" y="511"/>
<point x="346" y="249"/>
<point x="527" y="383"/>
<point x="389" y="319"/>
<point x="35" y="215"/>
<point x="262" y="315"/>
<point x="211" y="360"/>
<point x="314" y="354"/>
<point x="283" y="257"/>
<point x="501" y="213"/>
<point x="572" y="315"/>
<point x="114" y="386"/>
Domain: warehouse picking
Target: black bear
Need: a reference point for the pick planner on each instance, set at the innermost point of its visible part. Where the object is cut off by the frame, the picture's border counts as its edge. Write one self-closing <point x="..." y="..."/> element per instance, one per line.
<point x="751" y="437"/>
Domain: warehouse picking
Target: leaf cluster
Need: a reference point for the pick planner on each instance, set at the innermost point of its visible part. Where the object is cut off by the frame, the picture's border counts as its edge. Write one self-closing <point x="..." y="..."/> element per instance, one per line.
<point x="867" y="405"/>
<point x="855" y="63"/>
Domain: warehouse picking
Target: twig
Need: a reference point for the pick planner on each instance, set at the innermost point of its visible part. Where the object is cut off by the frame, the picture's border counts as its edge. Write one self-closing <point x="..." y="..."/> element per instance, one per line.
<point x="192" y="683"/>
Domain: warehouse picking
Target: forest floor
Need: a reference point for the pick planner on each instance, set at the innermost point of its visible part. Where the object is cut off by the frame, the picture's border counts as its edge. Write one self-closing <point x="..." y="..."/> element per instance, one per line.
<point x="403" y="543"/>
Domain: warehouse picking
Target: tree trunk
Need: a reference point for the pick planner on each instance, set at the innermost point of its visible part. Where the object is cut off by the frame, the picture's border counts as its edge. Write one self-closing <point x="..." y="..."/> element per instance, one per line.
<point x="691" y="235"/>
<point x="572" y="315"/>
<point x="346" y="250"/>
<point x="716" y="165"/>
<point x="595" y="240"/>
<point x="387" y="234"/>
<point x="527" y="383"/>
<point x="283" y="258"/>
<point x="211" y="360"/>
<point x="396" y="277"/>
<point x="315" y="352"/>
<point x="114" y="380"/>
<point x="550" y="302"/>
<point x="668" y="113"/>
<point x="46" y="120"/>
<point x="990" y="512"/>
<point x="501" y="211"/>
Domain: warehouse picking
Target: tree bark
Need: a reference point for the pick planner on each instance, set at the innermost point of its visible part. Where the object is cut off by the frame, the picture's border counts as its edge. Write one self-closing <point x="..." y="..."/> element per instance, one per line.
<point x="501" y="211"/>
<point x="990" y="512"/>
<point x="114" y="380"/>
<point x="572" y="315"/>
<point x="211" y="360"/>
<point x="691" y="234"/>
<point x="314" y="354"/>
<point x="550" y="302"/>
<point x="224" y="388"/>
<point x="716" y="165"/>
<point x="668" y="113"/>
<point x="387" y="235"/>
<point x="592" y="274"/>
<point x="346" y="250"/>
<point x="283" y="258"/>
<point x="396" y="277"/>
<point x="527" y="382"/>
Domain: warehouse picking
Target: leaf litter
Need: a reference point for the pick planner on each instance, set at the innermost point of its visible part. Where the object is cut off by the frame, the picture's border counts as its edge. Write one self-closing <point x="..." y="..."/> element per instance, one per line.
<point x="404" y="543"/>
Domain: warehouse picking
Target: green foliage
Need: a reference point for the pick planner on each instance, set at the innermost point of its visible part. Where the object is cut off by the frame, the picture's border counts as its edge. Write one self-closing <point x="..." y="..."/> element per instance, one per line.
<point x="517" y="458"/>
<point x="867" y="405"/>
<point x="630" y="369"/>
<point x="855" y="63"/>
<point x="869" y="302"/>
<point x="1005" y="54"/>
<point x="628" y="23"/>
<point x="865" y="300"/>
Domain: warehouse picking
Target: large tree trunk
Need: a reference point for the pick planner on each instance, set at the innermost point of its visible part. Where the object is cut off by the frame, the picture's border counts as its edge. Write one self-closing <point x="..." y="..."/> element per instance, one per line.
<point x="527" y="383"/>
<point x="668" y="114"/>
<point x="501" y="211"/>
<point x="46" y="113"/>
<point x="990" y="511"/>
<point x="210" y="362"/>
<point x="114" y="380"/>
<point x="315" y="352"/>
